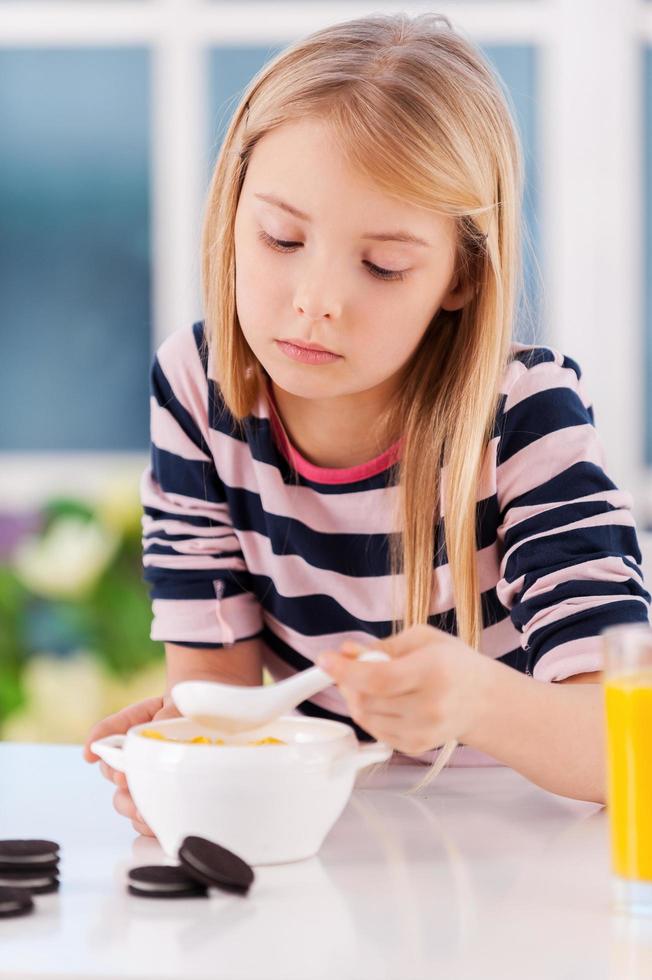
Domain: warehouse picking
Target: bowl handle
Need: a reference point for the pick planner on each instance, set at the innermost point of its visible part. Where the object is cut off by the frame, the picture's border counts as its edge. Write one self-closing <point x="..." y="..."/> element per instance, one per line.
<point x="371" y="753"/>
<point x="110" y="750"/>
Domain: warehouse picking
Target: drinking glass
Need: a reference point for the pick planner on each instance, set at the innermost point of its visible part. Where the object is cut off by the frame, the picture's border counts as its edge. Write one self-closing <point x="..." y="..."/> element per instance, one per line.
<point x="627" y="665"/>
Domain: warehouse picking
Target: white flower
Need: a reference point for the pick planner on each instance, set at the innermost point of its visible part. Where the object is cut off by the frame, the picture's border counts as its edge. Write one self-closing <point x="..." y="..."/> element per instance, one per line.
<point x="119" y="506"/>
<point x="64" y="700"/>
<point x="67" y="560"/>
<point x="67" y="696"/>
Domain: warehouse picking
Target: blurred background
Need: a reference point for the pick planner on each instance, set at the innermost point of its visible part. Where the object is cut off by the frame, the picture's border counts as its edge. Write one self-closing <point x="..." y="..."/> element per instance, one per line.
<point x="111" y="117"/>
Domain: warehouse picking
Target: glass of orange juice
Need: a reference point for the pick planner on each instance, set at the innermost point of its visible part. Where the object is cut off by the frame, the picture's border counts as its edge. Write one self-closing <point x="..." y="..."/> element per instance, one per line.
<point x="627" y="664"/>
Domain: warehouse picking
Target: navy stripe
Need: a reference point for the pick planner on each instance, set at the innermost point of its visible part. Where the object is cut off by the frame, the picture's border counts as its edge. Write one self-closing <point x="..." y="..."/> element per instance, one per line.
<point x="211" y="646"/>
<point x="160" y="388"/>
<point x="587" y="622"/>
<point x="571" y="589"/>
<point x="190" y="477"/>
<point x="559" y="517"/>
<point x="539" y="415"/>
<point x="538" y="556"/>
<point x="193" y="583"/>
<point x="581" y="479"/>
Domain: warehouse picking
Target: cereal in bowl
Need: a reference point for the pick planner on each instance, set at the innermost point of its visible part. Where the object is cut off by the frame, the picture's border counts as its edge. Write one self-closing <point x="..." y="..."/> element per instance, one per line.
<point x="204" y="740"/>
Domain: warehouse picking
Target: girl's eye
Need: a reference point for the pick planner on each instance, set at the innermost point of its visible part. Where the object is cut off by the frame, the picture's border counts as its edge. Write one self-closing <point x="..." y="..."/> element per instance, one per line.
<point x="375" y="270"/>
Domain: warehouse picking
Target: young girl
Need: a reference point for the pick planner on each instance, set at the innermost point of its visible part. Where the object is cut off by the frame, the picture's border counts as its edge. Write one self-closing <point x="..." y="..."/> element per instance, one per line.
<point x="351" y="450"/>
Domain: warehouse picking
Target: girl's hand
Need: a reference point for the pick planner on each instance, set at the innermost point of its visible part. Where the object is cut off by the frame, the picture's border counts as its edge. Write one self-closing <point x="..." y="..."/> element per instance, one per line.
<point x="427" y="695"/>
<point x="151" y="709"/>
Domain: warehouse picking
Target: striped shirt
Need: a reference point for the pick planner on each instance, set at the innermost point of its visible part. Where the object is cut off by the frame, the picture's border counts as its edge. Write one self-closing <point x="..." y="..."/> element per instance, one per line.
<point x="243" y="537"/>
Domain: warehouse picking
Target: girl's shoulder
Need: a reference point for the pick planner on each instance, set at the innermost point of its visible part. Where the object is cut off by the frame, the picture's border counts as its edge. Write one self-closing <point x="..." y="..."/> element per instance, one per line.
<point x="548" y="365"/>
<point x="187" y="346"/>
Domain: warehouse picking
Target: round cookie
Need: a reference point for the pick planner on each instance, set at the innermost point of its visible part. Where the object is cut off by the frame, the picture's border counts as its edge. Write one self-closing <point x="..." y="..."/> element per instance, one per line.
<point x="48" y="868"/>
<point x="15" y="901"/>
<point x="163" y="881"/>
<point x="36" y="881"/>
<point x="28" y="852"/>
<point x="214" y="865"/>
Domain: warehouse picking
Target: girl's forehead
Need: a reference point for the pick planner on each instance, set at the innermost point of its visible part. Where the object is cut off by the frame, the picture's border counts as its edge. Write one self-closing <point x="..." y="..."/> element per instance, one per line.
<point x="297" y="170"/>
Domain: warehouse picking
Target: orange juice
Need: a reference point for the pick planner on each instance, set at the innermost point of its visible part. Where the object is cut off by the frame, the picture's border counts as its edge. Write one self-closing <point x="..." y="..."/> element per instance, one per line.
<point x="628" y="706"/>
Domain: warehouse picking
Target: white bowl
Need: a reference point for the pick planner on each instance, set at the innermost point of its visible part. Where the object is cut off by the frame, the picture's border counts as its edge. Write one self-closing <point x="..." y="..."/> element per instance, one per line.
<point x="267" y="803"/>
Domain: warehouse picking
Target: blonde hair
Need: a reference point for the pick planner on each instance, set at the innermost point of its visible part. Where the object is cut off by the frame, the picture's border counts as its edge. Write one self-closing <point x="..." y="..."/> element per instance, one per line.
<point x="414" y="107"/>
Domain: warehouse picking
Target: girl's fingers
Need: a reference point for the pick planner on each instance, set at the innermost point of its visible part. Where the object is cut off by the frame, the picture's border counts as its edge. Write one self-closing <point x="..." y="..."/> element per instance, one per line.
<point x="126" y="807"/>
<point x="122" y="721"/>
<point x="123" y="803"/>
<point x="113" y="775"/>
<point x="142" y="828"/>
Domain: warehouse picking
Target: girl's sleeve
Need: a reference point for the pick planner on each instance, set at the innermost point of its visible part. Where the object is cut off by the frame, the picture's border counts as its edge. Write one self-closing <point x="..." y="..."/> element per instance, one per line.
<point x="570" y="558"/>
<point x="192" y="561"/>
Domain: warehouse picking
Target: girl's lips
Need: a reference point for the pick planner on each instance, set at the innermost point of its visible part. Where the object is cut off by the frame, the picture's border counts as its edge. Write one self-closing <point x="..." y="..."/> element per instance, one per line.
<point x="305" y="356"/>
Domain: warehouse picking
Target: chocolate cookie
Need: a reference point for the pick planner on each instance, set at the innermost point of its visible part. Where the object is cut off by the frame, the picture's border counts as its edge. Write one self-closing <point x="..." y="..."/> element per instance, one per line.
<point x="15" y="901"/>
<point x="163" y="881"/>
<point x="214" y="865"/>
<point x="37" y="882"/>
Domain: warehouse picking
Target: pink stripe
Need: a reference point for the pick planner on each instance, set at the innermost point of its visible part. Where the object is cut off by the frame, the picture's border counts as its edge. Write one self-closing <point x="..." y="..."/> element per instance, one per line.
<point x="205" y="620"/>
<point x="194" y="562"/>
<point x="617" y="498"/>
<point x="151" y="526"/>
<point x="571" y="606"/>
<point x="547" y="457"/>
<point x="500" y="638"/>
<point x="222" y="539"/>
<point x="179" y="359"/>
<point x="167" y="434"/>
<point x="574" y="657"/>
<point x="608" y="569"/>
<point x="543" y="377"/>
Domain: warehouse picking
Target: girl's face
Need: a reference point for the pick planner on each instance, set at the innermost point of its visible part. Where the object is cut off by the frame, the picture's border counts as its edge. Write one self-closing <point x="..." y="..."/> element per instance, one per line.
<point x="344" y="282"/>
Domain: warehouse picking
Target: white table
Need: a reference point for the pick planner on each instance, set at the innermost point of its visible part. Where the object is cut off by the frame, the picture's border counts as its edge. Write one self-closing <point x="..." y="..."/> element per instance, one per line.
<point x="481" y="875"/>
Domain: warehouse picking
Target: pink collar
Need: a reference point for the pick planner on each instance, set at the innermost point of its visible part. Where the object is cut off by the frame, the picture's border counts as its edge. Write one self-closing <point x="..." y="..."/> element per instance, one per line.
<point x="326" y="474"/>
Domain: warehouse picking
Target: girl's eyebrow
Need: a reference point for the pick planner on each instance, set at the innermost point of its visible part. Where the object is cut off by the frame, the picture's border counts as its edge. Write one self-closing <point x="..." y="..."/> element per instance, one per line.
<point x="382" y="236"/>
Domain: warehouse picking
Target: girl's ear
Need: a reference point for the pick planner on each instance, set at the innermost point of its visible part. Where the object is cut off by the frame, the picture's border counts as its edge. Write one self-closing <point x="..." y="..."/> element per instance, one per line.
<point x="458" y="295"/>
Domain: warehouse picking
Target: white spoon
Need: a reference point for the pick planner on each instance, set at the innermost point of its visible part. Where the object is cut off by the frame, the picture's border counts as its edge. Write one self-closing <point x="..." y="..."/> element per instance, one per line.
<point x="232" y="708"/>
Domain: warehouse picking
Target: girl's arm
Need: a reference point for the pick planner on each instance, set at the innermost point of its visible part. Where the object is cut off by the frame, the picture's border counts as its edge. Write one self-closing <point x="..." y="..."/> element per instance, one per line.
<point x="552" y="733"/>
<point x="436" y="688"/>
<point x="241" y="663"/>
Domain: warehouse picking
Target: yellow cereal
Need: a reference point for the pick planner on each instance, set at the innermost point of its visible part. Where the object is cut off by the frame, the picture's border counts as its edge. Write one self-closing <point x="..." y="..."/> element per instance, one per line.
<point x="204" y="740"/>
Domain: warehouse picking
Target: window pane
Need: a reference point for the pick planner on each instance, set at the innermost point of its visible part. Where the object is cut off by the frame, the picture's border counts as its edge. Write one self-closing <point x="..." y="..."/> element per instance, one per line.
<point x="232" y="68"/>
<point x="647" y="300"/>
<point x="517" y="66"/>
<point x="74" y="249"/>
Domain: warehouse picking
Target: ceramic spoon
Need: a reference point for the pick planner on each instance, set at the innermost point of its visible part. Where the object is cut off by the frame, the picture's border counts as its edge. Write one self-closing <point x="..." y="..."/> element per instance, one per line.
<point x="232" y="708"/>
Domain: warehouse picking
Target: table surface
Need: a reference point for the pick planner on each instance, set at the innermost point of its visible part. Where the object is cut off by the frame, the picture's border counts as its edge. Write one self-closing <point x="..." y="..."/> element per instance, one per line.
<point x="482" y="874"/>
